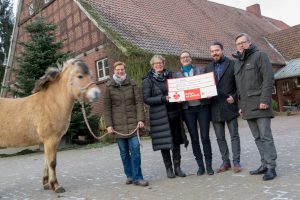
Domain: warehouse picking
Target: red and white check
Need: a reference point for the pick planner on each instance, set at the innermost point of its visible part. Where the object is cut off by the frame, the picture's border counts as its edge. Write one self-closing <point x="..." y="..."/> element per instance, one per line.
<point x="192" y="88"/>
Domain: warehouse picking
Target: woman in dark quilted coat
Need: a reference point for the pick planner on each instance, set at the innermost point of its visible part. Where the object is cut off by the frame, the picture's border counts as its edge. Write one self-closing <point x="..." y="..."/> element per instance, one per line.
<point x="166" y="127"/>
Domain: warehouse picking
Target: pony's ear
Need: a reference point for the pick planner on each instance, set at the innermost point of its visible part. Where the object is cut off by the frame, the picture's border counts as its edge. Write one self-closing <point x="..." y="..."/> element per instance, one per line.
<point x="50" y="75"/>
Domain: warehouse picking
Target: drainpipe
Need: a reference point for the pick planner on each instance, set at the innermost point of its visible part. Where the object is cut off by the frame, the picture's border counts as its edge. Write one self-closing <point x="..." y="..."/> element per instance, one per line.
<point x="11" y="51"/>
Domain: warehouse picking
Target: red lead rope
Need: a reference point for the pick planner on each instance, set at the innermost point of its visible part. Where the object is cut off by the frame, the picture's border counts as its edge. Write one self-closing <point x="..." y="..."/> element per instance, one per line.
<point x="137" y="130"/>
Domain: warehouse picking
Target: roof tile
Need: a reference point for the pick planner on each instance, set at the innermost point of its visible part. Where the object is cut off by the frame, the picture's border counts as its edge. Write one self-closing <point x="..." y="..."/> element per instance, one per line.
<point x="171" y="26"/>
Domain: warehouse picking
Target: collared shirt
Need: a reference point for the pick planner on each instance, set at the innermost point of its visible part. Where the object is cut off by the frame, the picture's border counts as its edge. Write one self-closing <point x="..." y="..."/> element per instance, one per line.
<point x="218" y="68"/>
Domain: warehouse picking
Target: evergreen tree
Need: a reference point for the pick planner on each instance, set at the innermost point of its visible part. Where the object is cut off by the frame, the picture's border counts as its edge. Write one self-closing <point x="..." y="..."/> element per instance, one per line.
<point x="6" y="27"/>
<point x="39" y="53"/>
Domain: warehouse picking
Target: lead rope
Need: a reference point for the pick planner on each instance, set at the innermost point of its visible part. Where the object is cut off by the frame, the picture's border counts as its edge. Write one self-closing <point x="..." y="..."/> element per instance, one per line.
<point x="101" y="137"/>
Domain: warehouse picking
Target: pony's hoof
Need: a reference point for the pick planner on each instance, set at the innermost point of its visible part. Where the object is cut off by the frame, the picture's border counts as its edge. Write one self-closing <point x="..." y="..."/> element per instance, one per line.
<point x="47" y="186"/>
<point x="59" y="190"/>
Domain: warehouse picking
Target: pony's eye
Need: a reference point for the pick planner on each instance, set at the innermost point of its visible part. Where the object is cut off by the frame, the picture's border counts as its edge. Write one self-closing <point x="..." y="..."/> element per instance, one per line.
<point x="80" y="76"/>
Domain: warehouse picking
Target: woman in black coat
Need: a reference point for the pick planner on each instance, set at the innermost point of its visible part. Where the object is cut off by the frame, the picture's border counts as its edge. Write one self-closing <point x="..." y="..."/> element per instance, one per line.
<point x="166" y="127"/>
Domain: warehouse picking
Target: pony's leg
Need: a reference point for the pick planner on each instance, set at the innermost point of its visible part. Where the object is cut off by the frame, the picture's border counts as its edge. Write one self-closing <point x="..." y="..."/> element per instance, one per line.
<point x="46" y="176"/>
<point x="50" y="154"/>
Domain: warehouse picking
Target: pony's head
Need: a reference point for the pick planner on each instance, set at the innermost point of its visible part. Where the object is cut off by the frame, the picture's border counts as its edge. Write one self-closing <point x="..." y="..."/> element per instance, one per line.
<point x="78" y="79"/>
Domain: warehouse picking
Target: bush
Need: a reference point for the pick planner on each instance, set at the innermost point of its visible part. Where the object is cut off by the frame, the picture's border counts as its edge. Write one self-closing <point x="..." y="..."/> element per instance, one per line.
<point x="77" y="124"/>
<point x="274" y="104"/>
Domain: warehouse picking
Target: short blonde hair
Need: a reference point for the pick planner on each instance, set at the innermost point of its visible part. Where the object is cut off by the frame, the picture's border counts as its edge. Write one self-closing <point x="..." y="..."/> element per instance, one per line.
<point x="243" y="34"/>
<point x="185" y="52"/>
<point x="118" y="63"/>
<point x="157" y="57"/>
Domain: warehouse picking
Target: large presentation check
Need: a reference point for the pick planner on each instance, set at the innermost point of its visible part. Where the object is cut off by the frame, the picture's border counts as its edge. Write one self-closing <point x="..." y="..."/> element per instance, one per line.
<point x="192" y="88"/>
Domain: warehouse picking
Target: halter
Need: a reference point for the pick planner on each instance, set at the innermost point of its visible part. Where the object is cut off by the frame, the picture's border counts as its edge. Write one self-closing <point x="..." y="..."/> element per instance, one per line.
<point x="83" y="90"/>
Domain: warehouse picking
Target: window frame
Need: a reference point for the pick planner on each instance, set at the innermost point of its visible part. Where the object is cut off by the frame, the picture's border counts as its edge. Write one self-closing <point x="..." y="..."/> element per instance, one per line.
<point x="285" y="87"/>
<point x="31" y="9"/>
<point x="103" y="68"/>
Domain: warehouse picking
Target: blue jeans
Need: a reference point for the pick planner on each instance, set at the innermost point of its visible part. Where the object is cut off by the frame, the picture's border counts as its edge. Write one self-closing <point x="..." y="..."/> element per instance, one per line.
<point x="131" y="157"/>
<point x="200" y="114"/>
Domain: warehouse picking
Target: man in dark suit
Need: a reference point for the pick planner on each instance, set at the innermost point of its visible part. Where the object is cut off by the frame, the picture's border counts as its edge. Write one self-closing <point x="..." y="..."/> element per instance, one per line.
<point x="224" y="107"/>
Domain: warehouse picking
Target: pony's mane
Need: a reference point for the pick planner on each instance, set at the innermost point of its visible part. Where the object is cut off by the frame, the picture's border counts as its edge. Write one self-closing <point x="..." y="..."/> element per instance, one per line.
<point x="52" y="73"/>
<point x="42" y="83"/>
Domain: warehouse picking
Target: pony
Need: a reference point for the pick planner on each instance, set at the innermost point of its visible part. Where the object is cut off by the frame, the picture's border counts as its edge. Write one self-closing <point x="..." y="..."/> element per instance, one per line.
<point x="44" y="116"/>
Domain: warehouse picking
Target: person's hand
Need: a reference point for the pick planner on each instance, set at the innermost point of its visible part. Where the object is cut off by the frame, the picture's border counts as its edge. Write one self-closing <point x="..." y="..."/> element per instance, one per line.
<point x="230" y="100"/>
<point x="241" y="112"/>
<point x="263" y="106"/>
<point x="168" y="98"/>
<point x="110" y="130"/>
<point x="141" y="124"/>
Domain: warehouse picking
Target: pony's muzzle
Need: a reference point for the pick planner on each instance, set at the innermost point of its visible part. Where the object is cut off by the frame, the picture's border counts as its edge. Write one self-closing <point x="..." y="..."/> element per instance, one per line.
<point x="93" y="94"/>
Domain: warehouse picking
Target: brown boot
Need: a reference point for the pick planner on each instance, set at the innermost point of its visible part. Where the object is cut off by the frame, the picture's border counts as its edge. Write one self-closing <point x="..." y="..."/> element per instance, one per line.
<point x="141" y="183"/>
<point x="224" y="167"/>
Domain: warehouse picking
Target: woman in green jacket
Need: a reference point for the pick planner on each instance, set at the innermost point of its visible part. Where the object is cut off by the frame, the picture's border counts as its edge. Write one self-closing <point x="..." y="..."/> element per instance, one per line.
<point x="123" y="112"/>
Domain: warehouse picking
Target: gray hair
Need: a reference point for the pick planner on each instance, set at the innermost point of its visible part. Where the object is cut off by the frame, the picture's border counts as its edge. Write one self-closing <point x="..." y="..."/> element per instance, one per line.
<point x="243" y="34"/>
<point x="157" y="57"/>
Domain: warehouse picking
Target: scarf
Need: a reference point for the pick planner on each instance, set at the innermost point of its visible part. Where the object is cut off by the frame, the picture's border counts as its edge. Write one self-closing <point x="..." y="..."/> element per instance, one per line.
<point x="187" y="69"/>
<point x="160" y="76"/>
<point x="119" y="80"/>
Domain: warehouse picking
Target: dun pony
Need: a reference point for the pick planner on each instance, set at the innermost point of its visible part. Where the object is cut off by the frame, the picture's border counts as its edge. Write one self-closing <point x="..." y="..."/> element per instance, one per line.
<point x="44" y="117"/>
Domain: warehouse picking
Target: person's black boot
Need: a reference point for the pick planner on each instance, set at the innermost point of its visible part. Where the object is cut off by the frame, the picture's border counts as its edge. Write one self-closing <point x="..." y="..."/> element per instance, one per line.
<point x="177" y="169"/>
<point x="168" y="163"/>
<point x="269" y="175"/>
<point x="201" y="169"/>
<point x="170" y="173"/>
<point x="209" y="169"/>
<point x="260" y="170"/>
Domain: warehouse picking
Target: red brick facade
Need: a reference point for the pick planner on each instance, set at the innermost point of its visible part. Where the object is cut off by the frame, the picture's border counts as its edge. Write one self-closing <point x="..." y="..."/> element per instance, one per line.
<point x="83" y="38"/>
<point x="288" y="92"/>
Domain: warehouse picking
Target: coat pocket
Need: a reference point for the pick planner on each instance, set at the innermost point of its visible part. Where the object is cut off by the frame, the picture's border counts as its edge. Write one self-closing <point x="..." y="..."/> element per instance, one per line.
<point x="254" y="92"/>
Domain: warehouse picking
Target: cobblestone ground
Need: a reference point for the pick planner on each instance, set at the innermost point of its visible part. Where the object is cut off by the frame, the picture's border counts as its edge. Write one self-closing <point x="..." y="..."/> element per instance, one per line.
<point x="98" y="174"/>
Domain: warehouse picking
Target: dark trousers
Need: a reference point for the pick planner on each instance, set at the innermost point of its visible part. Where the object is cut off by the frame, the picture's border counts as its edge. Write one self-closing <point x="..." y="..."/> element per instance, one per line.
<point x="261" y="131"/>
<point x="219" y="128"/>
<point x="200" y="114"/>
<point x="166" y="154"/>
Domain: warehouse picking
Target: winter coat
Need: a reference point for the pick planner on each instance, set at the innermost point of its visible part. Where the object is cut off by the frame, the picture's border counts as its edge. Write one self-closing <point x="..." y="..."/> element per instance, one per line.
<point x="221" y="110"/>
<point x="123" y="106"/>
<point x="254" y="80"/>
<point x="161" y="119"/>
<point x="197" y="71"/>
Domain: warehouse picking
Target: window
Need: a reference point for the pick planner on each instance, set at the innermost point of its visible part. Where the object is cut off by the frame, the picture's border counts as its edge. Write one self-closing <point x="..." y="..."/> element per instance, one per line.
<point x="46" y="1"/>
<point x="102" y="69"/>
<point x="297" y="81"/>
<point x="285" y="87"/>
<point x="31" y="9"/>
<point x="274" y="89"/>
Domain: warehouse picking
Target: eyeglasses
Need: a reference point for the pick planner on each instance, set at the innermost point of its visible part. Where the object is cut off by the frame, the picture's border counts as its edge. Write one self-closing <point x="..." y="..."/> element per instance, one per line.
<point x="185" y="57"/>
<point x="241" y="43"/>
<point x="158" y="63"/>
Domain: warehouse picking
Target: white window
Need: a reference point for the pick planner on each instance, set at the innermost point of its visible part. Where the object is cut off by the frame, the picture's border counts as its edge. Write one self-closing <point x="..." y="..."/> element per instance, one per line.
<point x="46" y="1"/>
<point x="274" y="89"/>
<point x="31" y="9"/>
<point x="285" y="87"/>
<point x="102" y="69"/>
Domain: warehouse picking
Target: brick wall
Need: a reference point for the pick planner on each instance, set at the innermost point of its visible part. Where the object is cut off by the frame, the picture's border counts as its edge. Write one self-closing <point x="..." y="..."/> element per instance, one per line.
<point x="83" y="38"/>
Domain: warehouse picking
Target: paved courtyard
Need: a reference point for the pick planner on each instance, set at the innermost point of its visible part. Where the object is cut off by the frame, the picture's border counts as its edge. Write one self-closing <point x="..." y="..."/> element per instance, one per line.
<point x="98" y="174"/>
